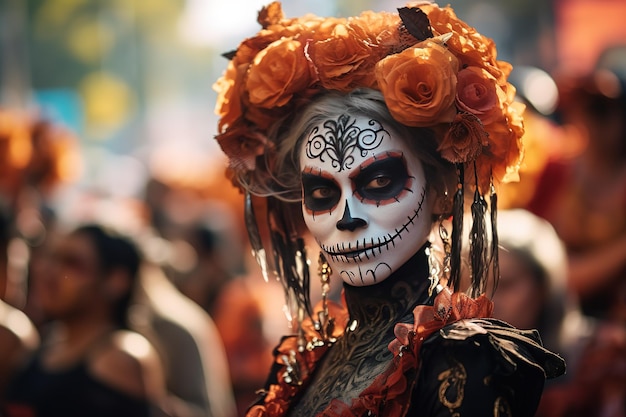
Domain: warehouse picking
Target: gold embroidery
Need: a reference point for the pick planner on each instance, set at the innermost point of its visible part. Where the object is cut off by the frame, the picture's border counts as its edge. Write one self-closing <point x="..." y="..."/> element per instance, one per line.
<point x="452" y="388"/>
<point x="501" y="408"/>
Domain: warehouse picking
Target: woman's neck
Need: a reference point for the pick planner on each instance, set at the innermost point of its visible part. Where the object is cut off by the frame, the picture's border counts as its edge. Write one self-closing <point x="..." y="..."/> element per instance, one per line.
<point x="394" y="298"/>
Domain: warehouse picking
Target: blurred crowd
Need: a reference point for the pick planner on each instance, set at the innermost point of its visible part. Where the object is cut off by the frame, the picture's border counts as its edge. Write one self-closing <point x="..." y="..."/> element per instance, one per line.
<point x="163" y="314"/>
<point x="149" y="312"/>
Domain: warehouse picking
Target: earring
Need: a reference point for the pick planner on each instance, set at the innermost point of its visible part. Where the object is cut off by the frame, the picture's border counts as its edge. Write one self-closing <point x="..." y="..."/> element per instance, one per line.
<point x="439" y="266"/>
<point x="447" y="249"/>
<point x="325" y="324"/>
<point x="445" y="203"/>
<point x="434" y="269"/>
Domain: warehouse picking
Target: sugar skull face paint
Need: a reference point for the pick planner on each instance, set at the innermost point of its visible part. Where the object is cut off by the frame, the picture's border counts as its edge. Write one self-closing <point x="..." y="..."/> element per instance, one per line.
<point x="364" y="197"/>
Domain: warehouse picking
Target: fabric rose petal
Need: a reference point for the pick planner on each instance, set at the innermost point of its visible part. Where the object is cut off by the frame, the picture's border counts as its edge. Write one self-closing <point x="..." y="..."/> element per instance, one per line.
<point x="344" y="61"/>
<point x="419" y="84"/>
<point x="228" y="104"/>
<point x="277" y="73"/>
<point x="242" y="146"/>
<point x="478" y="93"/>
<point x="464" y="140"/>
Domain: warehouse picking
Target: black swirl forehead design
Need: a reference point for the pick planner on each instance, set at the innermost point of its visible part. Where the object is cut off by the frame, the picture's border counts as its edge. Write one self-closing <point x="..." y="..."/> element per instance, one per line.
<point x="338" y="139"/>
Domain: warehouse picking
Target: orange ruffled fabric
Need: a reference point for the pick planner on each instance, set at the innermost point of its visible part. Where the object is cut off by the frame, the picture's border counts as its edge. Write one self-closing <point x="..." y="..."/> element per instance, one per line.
<point x="391" y="389"/>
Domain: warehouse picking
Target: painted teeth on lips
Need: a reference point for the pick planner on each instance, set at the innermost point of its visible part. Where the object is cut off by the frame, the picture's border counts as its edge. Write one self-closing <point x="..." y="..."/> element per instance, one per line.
<point x="356" y="251"/>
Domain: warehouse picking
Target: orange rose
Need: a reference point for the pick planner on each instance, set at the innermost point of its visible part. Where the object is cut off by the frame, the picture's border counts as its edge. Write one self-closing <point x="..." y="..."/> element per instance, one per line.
<point x="380" y="28"/>
<point x="464" y="140"/>
<point x="242" y="146"/>
<point x="343" y="61"/>
<point x="502" y="157"/>
<point x="277" y="73"/>
<point x="250" y="48"/>
<point x="469" y="46"/>
<point x="419" y="84"/>
<point x="228" y="88"/>
<point x="262" y="118"/>
<point x="479" y="93"/>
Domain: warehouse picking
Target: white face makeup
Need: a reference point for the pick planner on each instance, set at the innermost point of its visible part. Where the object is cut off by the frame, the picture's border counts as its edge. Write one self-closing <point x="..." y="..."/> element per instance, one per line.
<point x="364" y="198"/>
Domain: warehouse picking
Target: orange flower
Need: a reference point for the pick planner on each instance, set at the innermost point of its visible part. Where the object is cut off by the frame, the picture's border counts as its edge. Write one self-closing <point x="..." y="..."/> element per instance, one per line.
<point x="502" y="157"/>
<point x="465" y="41"/>
<point x="228" y="104"/>
<point x="264" y="118"/>
<point x="271" y="14"/>
<point x="478" y="93"/>
<point x="344" y="60"/>
<point x="277" y="73"/>
<point x="419" y="84"/>
<point x="464" y="140"/>
<point x="380" y="29"/>
<point x="242" y="146"/>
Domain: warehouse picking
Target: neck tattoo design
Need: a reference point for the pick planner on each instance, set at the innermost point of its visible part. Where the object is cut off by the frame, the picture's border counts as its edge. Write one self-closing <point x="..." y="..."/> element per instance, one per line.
<point x="340" y="138"/>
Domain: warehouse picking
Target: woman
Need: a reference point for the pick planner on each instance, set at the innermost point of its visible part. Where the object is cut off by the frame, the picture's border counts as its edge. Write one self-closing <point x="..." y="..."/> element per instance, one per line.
<point x="355" y="129"/>
<point x="88" y="364"/>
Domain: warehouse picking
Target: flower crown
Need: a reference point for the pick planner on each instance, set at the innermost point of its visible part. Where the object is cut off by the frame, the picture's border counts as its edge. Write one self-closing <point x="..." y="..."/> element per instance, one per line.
<point x="432" y="69"/>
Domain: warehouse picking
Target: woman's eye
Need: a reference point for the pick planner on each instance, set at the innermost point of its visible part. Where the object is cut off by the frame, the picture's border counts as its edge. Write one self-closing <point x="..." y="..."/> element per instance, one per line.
<point x="378" y="182"/>
<point x="382" y="181"/>
<point x="322" y="192"/>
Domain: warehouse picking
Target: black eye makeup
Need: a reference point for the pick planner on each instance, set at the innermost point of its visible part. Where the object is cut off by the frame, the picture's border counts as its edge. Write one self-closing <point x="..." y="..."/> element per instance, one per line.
<point x="383" y="180"/>
<point x="320" y="194"/>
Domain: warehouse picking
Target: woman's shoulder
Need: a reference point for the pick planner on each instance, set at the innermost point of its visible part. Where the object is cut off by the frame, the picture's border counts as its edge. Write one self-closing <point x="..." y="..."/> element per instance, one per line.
<point x="475" y="366"/>
<point x="129" y="363"/>
<point x="16" y="328"/>
<point x="510" y="348"/>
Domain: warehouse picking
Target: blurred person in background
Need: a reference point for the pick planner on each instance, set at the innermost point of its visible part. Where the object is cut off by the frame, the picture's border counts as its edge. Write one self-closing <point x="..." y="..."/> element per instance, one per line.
<point x="89" y="363"/>
<point x="18" y="336"/>
<point x="532" y="292"/>
<point x="190" y="346"/>
<point x="206" y="265"/>
<point x="229" y="299"/>
<point x="190" y="341"/>
<point x="37" y="157"/>
<point x="584" y="197"/>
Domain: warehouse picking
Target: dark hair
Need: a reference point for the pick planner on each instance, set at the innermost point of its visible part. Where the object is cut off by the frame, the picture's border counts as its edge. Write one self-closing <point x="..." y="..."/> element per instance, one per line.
<point x="115" y="252"/>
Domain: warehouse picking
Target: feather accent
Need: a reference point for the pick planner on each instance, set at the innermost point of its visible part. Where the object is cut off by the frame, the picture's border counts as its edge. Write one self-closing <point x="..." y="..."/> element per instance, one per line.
<point x="416" y="22"/>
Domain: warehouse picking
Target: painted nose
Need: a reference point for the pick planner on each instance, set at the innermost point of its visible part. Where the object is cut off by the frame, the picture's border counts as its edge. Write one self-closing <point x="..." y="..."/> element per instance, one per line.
<point x="348" y="222"/>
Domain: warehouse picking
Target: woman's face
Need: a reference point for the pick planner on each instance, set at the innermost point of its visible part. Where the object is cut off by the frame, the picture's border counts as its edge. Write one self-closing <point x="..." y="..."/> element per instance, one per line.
<point x="71" y="283"/>
<point x="365" y="197"/>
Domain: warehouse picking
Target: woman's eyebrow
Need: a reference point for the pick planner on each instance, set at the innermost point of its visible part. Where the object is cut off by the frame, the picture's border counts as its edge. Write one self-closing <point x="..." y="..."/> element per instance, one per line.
<point x="378" y="158"/>
<point x="317" y="172"/>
